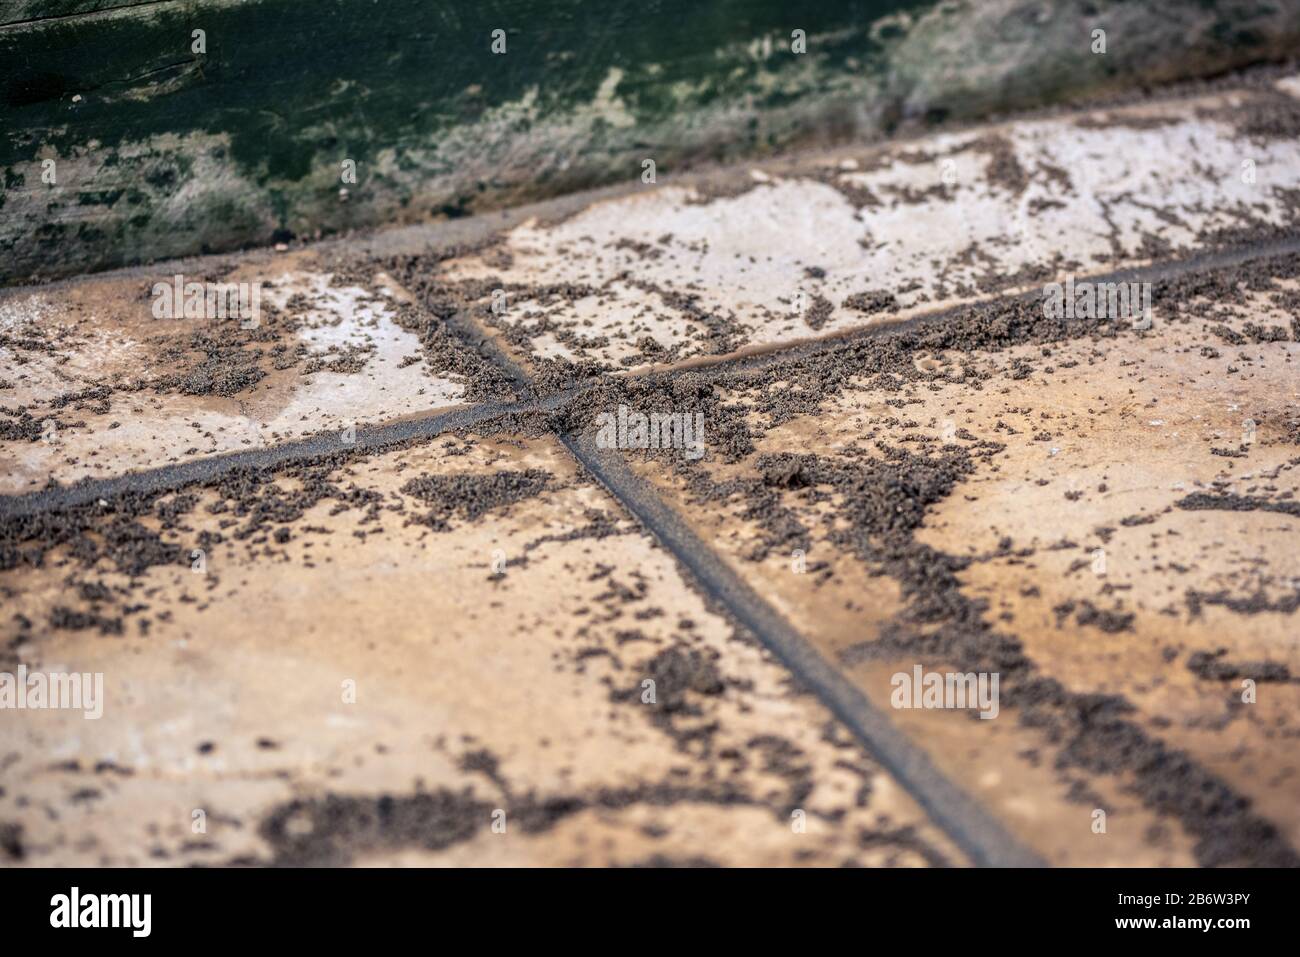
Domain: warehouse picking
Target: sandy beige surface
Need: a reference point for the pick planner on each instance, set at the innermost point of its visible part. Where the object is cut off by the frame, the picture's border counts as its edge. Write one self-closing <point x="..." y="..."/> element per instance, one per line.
<point x="464" y="648"/>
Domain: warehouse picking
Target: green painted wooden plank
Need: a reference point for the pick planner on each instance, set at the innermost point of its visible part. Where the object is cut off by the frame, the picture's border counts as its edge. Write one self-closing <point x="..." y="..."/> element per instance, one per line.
<point x="159" y="150"/>
<point x="21" y="11"/>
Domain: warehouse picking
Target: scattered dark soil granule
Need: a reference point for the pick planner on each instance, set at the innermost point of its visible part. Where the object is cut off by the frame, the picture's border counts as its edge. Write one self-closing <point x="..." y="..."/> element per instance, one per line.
<point x="334" y="829"/>
<point x="680" y="675"/>
<point x="1004" y="169"/>
<point x="68" y="620"/>
<point x="818" y="312"/>
<point x="94" y="592"/>
<point x="210" y="363"/>
<point x="11" y="841"/>
<point x="1255" y="604"/>
<point x="1212" y="667"/>
<point x="344" y="360"/>
<point x="19" y="425"/>
<point x="329" y="831"/>
<point x="1263" y="116"/>
<point x="1228" y="502"/>
<point x="871" y="302"/>
<point x="1087" y="614"/>
<point x="469" y="496"/>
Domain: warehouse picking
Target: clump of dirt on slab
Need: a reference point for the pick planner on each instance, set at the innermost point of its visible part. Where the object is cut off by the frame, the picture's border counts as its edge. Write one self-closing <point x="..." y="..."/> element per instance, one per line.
<point x="680" y="676"/>
<point x="469" y="496"/>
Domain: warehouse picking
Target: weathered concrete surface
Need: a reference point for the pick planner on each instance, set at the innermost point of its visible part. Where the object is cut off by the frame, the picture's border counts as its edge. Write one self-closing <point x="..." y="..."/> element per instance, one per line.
<point x="105" y="387"/>
<point x="829" y="243"/>
<point x="162" y="149"/>
<point x="1102" y="515"/>
<point x="497" y="664"/>
<point x="1119" y="534"/>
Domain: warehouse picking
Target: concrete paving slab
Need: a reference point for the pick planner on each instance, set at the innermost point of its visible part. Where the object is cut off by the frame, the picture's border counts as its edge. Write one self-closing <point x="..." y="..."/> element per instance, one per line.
<point x="438" y="655"/>
<point x="757" y="257"/>
<point x="437" y="652"/>
<point x="1100" y="516"/>
<point x="97" y="384"/>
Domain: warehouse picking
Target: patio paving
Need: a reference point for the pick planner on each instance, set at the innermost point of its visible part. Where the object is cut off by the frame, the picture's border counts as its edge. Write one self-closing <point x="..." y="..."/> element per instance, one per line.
<point x="367" y="582"/>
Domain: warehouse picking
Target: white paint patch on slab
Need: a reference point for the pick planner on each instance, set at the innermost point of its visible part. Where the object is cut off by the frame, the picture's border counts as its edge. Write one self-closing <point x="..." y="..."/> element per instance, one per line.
<point x="106" y="335"/>
<point x="384" y="389"/>
<point x="936" y="222"/>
